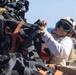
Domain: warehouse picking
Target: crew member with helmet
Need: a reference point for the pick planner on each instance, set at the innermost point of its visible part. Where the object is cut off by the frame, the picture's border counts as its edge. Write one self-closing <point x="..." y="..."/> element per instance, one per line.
<point x="59" y="43"/>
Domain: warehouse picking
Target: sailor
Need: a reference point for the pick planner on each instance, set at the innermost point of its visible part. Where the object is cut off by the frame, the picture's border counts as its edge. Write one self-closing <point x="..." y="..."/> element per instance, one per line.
<point x="59" y="43"/>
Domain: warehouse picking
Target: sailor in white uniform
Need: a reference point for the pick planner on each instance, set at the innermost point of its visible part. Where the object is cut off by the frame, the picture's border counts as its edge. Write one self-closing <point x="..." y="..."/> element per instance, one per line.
<point x="60" y="43"/>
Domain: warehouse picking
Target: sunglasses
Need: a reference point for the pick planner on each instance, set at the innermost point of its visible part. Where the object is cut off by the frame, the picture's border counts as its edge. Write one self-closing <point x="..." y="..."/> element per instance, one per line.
<point x="64" y="25"/>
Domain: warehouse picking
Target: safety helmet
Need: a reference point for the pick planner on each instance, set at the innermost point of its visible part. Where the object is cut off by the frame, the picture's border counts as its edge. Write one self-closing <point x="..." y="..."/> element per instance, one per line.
<point x="67" y="23"/>
<point x="70" y="21"/>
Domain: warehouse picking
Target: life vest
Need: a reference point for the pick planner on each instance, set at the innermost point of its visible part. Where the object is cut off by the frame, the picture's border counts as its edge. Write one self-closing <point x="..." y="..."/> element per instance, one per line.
<point x="72" y="57"/>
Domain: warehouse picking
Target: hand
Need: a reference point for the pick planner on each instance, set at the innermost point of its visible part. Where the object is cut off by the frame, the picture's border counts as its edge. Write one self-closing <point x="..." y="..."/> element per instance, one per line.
<point x="43" y="27"/>
<point x="44" y="23"/>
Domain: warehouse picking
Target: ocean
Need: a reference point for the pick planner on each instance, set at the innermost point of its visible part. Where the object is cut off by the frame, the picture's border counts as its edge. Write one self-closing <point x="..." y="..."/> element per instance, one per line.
<point x="49" y="29"/>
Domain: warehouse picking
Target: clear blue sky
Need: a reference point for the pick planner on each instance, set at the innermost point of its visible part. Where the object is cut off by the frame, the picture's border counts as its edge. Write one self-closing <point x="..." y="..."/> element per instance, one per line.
<point x="50" y="10"/>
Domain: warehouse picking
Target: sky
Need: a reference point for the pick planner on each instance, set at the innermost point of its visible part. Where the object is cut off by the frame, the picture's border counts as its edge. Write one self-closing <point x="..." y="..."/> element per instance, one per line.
<point x="50" y="10"/>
